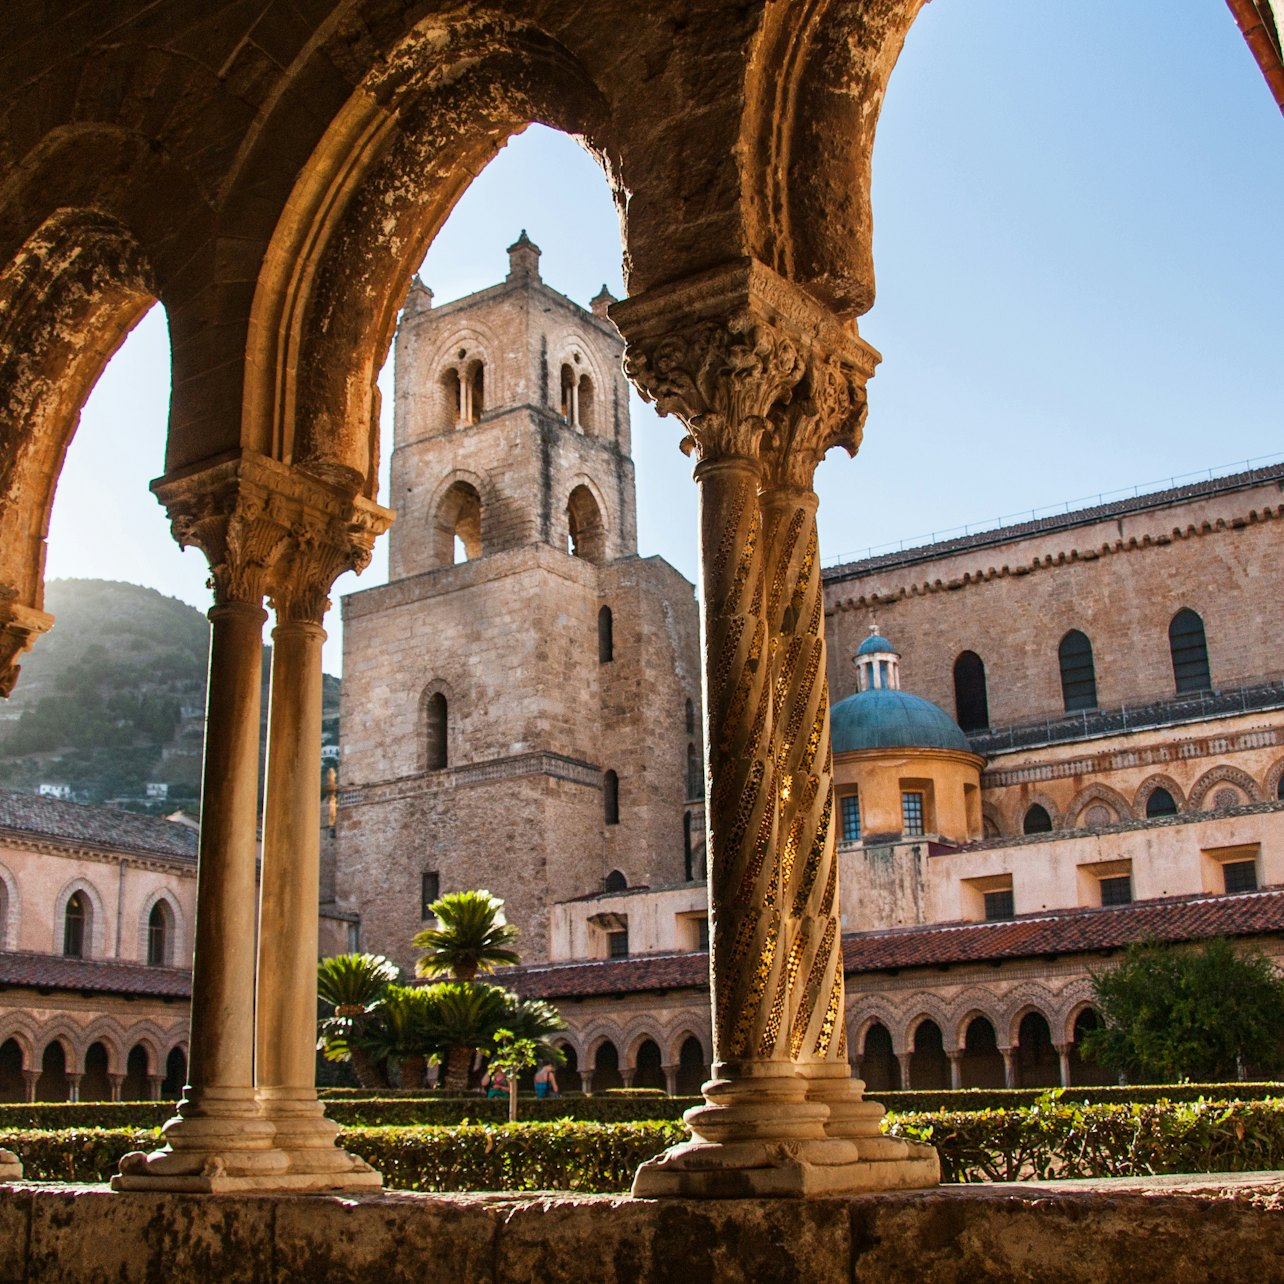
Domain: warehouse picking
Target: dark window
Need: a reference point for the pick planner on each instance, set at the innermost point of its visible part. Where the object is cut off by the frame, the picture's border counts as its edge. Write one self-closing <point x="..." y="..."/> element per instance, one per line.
<point x="611" y="797"/>
<point x="429" y="891"/>
<point x="1078" y="677"/>
<point x="849" y="811"/>
<point x="687" y="865"/>
<point x="702" y="933"/>
<point x="999" y="904"/>
<point x="605" y="636"/>
<point x="435" y="732"/>
<point x="691" y="717"/>
<point x="158" y="935"/>
<point x="1037" y="821"/>
<point x="695" y="777"/>
<point x="970" y="701"/>
<point x="617" y="944"/>
<point x="1279" y="789"/>
<point x="614" y="882"/>
<point x="1240" y="875"/>
<point x="1160" y="803"/>
<point x="1189" y="650"/>
<point x="73" y="926"/>
<point x="1117" y="891"/>
<point x="478" y="389"/>
<point x="911" y="812"/>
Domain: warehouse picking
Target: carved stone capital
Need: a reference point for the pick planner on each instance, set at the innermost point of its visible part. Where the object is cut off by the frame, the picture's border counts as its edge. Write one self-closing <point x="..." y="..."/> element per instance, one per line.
<point x="272" y="530"/>
<point x="20" y="626"/>
<point x="754" y="367"/>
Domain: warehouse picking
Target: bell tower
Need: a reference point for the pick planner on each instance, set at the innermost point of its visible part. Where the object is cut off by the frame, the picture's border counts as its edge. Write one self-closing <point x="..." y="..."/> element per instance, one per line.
<point x="516" y="706"/>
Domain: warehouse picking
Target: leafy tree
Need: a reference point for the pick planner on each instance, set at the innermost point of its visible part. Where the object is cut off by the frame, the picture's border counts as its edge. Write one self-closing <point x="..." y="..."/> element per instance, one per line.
<point x="472" y="936"/>
<point x="355" y="987"/>
<point x="514" y="1057"/>
<point x="1172" y="1013"/>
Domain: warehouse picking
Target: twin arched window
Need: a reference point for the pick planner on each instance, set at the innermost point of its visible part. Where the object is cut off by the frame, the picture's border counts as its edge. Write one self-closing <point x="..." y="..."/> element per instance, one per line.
<point x="578" y="402"/>
<point x="465" y="387"/>
<point x="1078" y="675"/>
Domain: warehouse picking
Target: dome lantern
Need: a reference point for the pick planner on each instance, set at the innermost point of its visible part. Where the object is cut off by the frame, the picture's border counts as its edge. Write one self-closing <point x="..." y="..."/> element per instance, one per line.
<point x="878" y="663"/>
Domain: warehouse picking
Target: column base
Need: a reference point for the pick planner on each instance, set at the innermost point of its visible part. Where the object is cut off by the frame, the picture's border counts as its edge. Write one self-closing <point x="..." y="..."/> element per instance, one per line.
<point x="10" y="1168"/>
<point x="782" y="1130"/>
<point x="309" y="1142"/>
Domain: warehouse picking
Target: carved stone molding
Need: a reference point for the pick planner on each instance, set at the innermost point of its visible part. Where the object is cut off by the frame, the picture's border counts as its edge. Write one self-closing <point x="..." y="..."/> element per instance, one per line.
<point x="20" y="626"/>
<point x="752" y="365"/>
<point x="271" y="530"/>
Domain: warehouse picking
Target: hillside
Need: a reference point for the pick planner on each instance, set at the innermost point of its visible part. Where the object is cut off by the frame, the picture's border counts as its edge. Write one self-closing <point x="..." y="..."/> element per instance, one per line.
<point x="113" y="698"/>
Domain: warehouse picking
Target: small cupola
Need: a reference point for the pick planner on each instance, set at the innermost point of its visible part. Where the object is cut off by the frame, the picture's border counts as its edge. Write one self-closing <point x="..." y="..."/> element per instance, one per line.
<point x="601" y="302"/>
<point x="523" y="258"/>
<point x="878" y="663"/>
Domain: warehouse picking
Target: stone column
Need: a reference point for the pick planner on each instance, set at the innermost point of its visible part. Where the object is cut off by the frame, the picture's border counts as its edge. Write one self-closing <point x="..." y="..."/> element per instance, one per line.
<point x="327" y="535"/>
<point x="155" y="1085"/>
<point x="117" y="1082"/>
<point x="218" y="1140"/>
<point x="73" y="1085"/>
<point x="627" y="1075"/>
<point x="29" y="1080"/>
<point x="1063" y="1057"/>
<point x="956" y="1069"/>
<point x="903" y="1059"/>
<point x="1009" y="1067"/>
<point x="586" y="1082"/>
<point x="744" y="359"/>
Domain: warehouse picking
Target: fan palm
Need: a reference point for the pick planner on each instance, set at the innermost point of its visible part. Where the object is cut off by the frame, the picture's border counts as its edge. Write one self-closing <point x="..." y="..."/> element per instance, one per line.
<point x="402" y="1032"/>
<point x="355" y="986"/>
<point x="472" y="936"/>
<point x="463" y="1018"/>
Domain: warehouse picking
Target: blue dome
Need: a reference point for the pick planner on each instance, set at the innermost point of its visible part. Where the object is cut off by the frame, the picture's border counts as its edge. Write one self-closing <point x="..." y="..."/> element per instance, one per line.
<point x="885" y="719"/>
<point x="874" y="643"/>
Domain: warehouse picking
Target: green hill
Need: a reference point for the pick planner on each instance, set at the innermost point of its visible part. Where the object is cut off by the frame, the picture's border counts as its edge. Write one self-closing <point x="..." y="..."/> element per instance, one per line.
<point x="113" y="698"/>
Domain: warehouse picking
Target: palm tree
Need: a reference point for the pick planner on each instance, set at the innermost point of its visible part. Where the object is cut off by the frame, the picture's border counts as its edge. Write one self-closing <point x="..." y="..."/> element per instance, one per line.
<point x="403" y="1033"/>
<point x="472" y="936"/>
<point x="464" y="1017"/>
<point x="355" y="986"/>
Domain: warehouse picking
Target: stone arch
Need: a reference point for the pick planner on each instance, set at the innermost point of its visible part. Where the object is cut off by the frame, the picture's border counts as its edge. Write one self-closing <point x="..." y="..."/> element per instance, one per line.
<point x="1096" y="793"/>
<point x="95" y="929"/>
<point x="673" y="1045"/>
<point x="459" y="509"/>
<point x="1272" y="782"/>
<point x="380" y="182"/>
<point x="1036" y="797"/>
<point x="1224" y="774"/>
<point x="926" y="1008"/>
<point x="1019" y="1003"/>
<point x="874" y="1013"/>
<point x="586" y="520"/>
<point x="24" y="1031"/>
<point x="462" y="351"/>
<point x="961" y="1020"/>
<point x="10" y="909"/>
<point x="568" y="356"/>
<point x="62" y="1030"/>
<point x="175" y="946"/>
<point x="636" y="1033"/>
<point x="68" y="297"/>
<point x="111" y="1034"/>
<point x="991" y="821"/>
<point x="1148" y="786"/>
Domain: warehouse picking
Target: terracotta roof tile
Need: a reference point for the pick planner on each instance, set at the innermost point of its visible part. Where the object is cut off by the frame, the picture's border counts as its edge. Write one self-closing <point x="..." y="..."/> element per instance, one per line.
<point x="53" y="972"/>
<point x="96" y="826"/>
<point x="1064" y="932"/>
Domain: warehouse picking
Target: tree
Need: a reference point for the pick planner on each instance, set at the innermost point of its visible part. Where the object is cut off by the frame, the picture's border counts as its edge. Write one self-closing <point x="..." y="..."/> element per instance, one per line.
<point x="514" y="1057"/>
<point x="1172" y="1013"/>
<point x="462" y="1018"/>
<point x="472" y="936"/>
<point x="401" y="1032"/>
<point x="355" y="986"/>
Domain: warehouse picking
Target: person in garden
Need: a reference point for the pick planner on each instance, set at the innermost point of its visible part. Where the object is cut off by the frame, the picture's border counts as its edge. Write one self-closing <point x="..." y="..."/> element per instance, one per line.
<point x="496" y="1084"/>
<point x="545" y="1081"/>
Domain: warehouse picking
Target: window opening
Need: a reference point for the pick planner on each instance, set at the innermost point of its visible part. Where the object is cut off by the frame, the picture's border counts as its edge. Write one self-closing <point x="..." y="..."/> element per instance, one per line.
<point x="702" y="934"/>
<point x="458" y="525"/>
<point x="615" y="882"/>
<point x="1189" y="649"/>
<point x="691" y="722"/>
<point x="73" y="926"/>
<point x="971" y="702"/>
<point x="849" y="814"/>
<point x="1037" y="820"/>
<point x="429" y="893"/>
<point x="605" y="636"/>
<point x="436" y="729"/>
<point x="617" y="944"/>
<point x="611" y="797"/>
<point x="1160" y="803"/>
<point x="999" y="904"/>
<point x="1078" y="675"/>
<point x="158" y="935"/>
<point x="476" y="393"/>
<point x="912" y="812"/>
<point x="1240" y="875"/>
<point x="1117" y="890"/>
<point x="688" y="866"/>
<point x="695" y="777"/>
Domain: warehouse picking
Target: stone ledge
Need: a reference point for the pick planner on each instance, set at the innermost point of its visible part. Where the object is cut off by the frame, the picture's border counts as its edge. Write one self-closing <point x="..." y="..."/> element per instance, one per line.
<point x="1173" y="1229"/>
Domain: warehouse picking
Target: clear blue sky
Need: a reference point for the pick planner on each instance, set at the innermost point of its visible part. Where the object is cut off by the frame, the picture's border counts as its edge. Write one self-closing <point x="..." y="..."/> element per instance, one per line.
<point x="1080" y="274"/>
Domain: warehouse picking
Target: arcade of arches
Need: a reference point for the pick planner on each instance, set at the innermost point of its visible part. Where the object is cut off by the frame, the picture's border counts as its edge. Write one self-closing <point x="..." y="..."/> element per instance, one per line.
<point x="273" y="180"/>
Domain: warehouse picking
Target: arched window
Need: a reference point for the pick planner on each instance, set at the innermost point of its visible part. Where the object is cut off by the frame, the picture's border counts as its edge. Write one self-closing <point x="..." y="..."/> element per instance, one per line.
<point x="970" y="701"/>
<point x="160" y="934"/>
<point x="1189" y="650"/>
<point x="452" y="398"/>
<point x="1160" y="803"/>
<point x="695" y="777"/>
<point x="605" y="636"/>
<point x="1037" y="821"/>
<point x="691" y="718"/>
<point x="586" y="405"/>
<point x="476" y="393"/>
<point x="436" y="727"/>
<point x="75" y="925"/>
<point x="611" y="797"/>
<point x="585" y="530"/>
<point x="615" y="882"/>
<point x="570" y="396"/>
<point x="458" y="525"/>
<point x="688" y="865"/>
<point x="1078" y="676"/>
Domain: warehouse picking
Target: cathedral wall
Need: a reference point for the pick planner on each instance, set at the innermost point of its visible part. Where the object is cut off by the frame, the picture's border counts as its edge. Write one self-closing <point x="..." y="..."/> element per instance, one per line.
<point x="1119" y="581"/>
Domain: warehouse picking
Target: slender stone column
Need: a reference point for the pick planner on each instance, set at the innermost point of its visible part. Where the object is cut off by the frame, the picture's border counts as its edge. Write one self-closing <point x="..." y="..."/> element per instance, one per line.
<point x="1009" y="1066"/>
<point x="286" y="1032"/>
<point x="29" y="1080"/>
<point x="586" y="1082"/>
<point x="1063" y="1058"/>
<point x="956" y="1069"/>
<point x="117" y="1082"/>
<point x="762" y="378"/>
<point x="73" y="1085"/>
<point x="671" y="1079"/>
<point x="155" y="1084"/>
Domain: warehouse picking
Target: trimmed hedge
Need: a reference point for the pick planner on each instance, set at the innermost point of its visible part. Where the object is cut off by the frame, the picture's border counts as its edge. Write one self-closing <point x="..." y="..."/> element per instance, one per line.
<point x="967" y="1099"/>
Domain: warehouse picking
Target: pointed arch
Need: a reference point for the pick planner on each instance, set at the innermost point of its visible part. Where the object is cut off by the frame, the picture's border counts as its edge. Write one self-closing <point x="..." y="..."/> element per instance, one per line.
<point x="1224" y="774"/>
<point x="436" y="742"/>
<point x="94" y="925"/>
<point x="586" y="523"/>
<point x="168" y="946"/>
<point x="10" y="909"/>
<point x="1273" y="783"/>
<point x="1150" y="788"/>
<point x="1101" y="795"/>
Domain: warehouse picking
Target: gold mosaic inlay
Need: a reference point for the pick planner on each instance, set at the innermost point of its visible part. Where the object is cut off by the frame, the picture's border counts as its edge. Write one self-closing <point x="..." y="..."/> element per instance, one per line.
<point x="811" y="992"/>
<point x="832" y="1010"/>
<point x="814" y="858"/>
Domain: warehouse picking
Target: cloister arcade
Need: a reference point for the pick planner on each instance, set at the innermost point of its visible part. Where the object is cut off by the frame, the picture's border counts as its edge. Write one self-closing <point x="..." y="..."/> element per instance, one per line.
<point x="274" y="181"/>
<point x="106" y="1061"/>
